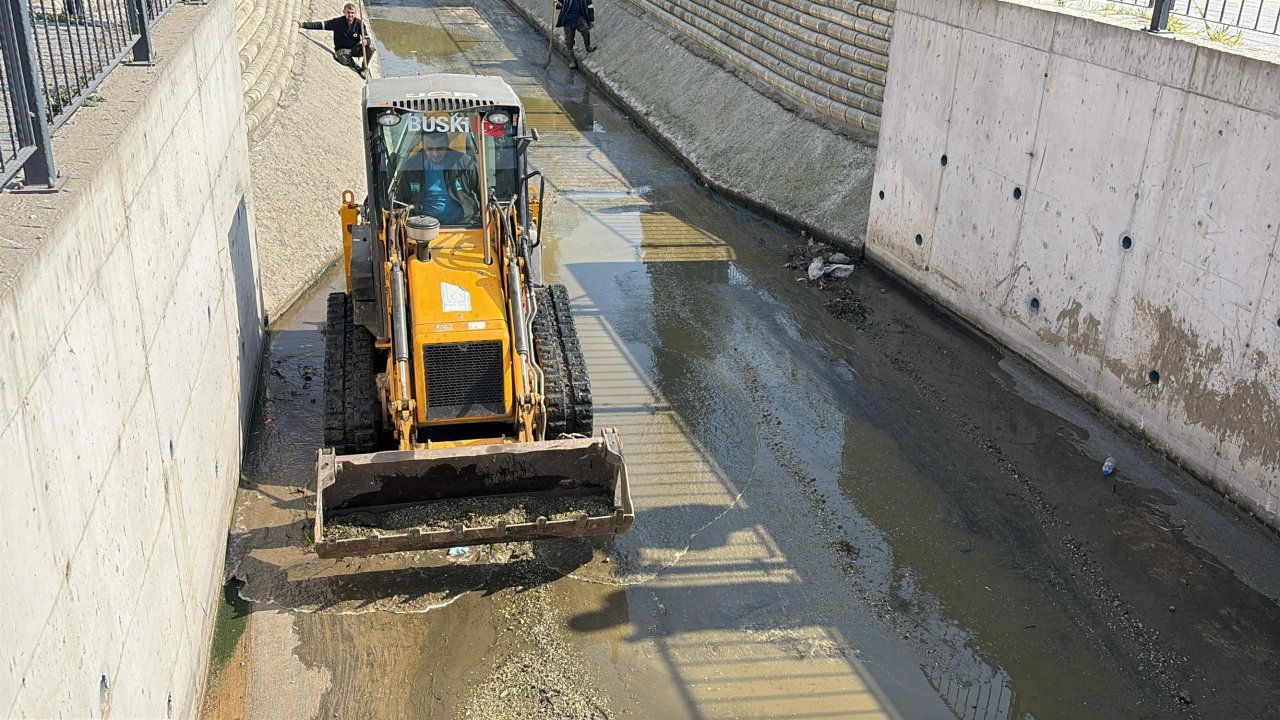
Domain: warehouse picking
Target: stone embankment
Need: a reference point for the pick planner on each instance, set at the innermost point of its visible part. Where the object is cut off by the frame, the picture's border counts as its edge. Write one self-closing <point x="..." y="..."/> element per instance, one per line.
<point x="827" y="56"/>
<point x="268" y="44"/>
<point x="303" y="115"/>
<point x="800" y="156"/>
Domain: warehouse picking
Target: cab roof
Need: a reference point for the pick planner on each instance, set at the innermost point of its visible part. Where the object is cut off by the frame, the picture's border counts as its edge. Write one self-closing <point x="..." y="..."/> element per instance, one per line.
<point x="439" y="92"/>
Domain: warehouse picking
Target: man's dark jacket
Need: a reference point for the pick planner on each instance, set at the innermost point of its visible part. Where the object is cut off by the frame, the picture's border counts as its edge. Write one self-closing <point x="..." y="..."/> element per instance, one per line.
<point x="573" y="12"/>
<point x="346" y="35"/>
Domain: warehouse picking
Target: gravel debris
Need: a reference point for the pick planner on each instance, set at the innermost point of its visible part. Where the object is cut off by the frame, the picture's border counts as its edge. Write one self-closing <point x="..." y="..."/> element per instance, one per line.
<point x="472" y="512"/>
<point x="548" y="682"/>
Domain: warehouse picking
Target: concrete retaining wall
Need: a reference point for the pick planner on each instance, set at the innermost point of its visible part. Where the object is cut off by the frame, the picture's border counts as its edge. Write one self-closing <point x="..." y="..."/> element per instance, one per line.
<point x="1104" y="133"/>
<point x="130" y="328"/>
<point x="716" y="121"/>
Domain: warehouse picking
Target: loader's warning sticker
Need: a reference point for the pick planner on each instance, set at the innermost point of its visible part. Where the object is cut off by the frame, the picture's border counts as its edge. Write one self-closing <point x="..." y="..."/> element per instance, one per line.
<point x="454" y="298"/>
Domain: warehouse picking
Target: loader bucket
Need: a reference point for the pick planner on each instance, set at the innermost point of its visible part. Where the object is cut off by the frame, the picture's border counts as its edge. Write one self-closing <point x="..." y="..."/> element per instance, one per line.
<point x="473" y="495"/>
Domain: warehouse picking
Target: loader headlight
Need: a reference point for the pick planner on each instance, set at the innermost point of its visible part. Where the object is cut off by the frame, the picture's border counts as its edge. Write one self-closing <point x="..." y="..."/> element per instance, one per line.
<point x="388" y="118"/>
<point x="498" y="118"/>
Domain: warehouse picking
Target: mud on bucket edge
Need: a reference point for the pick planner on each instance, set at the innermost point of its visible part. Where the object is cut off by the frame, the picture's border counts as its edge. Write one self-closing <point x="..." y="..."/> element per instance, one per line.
<point x="401" y="500"/>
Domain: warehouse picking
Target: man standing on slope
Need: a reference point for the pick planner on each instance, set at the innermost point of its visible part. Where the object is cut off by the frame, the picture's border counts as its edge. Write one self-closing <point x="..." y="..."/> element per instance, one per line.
<point x="576" y="16"/>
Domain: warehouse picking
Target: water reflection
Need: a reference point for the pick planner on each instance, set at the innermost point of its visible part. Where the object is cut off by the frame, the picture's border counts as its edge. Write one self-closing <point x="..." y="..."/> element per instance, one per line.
<point x="421" y="44"/>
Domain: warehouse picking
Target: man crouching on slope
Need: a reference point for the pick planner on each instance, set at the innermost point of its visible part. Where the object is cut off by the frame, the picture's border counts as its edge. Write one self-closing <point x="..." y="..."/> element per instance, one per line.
<point x="349" y="39"/>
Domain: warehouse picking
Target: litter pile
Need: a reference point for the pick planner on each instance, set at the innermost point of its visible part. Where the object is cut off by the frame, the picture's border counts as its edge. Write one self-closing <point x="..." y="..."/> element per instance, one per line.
<point x="827" y="270"/>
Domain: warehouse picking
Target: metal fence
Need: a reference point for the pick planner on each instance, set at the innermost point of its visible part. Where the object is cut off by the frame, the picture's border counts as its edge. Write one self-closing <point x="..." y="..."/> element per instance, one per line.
<point x="53" y="55"/>
<point x="1229" y="18"/>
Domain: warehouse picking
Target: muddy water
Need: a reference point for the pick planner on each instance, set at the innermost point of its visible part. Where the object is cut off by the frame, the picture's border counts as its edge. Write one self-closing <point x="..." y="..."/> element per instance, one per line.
<point x="874" y="516"/>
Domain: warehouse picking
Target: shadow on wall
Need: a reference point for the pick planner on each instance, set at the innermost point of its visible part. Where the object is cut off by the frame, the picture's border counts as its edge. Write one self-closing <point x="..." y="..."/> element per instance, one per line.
<point x="241" y="245"/>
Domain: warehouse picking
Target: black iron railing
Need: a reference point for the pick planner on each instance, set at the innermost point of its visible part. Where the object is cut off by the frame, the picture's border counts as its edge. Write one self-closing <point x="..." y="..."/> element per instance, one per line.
<point x="53" y="55"/>
<point x="1229" y="19"/>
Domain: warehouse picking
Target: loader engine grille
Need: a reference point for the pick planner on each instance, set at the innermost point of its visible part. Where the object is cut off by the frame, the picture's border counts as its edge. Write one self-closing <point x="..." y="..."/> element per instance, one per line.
<point x="440" y="104"/>
<point x="464" y="380"/>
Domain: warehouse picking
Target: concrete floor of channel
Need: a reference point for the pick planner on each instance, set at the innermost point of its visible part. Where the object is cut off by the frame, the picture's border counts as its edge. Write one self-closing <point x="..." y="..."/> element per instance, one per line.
<point x="848" y="504"/>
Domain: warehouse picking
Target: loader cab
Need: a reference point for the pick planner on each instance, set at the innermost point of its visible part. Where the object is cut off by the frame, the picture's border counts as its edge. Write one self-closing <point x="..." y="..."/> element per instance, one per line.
<point x="446" y="146"/>
<point x="432" y="162"/>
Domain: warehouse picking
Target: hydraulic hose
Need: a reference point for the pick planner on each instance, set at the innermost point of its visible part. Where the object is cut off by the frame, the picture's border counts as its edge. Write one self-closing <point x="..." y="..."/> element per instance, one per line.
<point x="400" y="330"/>
<point x="515" y="290"/>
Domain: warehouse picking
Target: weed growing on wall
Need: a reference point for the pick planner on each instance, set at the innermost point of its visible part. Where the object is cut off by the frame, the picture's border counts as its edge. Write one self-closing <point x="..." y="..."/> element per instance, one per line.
<point x="1176" y="24"/>
<point x="1215" y="32"/>
<point x="1224" y="34"/>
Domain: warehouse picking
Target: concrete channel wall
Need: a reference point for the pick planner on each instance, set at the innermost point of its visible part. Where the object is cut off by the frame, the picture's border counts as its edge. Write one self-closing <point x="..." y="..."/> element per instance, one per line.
<point x="1108" y="206"/>
<point x="130" y="331"/>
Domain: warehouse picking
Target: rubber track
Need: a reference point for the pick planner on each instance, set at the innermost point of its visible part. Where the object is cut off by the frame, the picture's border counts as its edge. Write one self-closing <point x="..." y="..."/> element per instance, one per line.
<point x="550" y="352"/>
<point x="350" y="398"/>
<point x="580" y="416"/>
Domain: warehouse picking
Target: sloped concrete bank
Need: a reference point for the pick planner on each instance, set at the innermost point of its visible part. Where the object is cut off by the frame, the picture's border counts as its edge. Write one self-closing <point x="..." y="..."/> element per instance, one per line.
<point x="1115" y="221"/>
<point x="734" y="138"/>
<point x="268" y="44"/>
<point x="306" y="141"/>
<point x="828" y="56"/>
<point x="130" y="333"/>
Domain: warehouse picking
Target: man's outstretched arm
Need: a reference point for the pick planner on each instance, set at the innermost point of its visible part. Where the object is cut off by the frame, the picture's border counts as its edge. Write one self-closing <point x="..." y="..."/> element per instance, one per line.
<point x="315" y="25"/>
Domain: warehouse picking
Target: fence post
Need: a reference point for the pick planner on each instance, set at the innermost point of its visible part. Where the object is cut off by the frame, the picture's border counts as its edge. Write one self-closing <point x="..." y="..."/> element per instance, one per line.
<point x="138" y="25"/>
<point x="38" y="171"/>
<point x="1160" y="16"/>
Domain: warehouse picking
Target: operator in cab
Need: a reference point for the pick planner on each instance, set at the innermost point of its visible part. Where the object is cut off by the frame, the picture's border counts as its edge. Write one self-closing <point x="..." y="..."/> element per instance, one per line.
<point x="441" y="182"/>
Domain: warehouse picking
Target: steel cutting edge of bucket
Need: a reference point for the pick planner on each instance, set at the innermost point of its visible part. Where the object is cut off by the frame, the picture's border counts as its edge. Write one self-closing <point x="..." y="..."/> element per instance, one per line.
<point x="378" y="486"/>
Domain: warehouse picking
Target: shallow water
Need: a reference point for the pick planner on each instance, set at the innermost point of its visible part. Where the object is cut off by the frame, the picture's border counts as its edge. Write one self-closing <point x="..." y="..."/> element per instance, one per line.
<point x="852" y="508"/>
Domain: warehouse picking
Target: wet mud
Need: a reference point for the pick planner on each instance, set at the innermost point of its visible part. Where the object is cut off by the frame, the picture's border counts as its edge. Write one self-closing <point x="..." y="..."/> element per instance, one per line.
<point x="848" y="504"/>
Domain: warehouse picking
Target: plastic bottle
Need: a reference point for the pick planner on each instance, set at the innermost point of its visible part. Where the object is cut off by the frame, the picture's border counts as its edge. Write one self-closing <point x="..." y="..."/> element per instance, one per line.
<point x="1108" y="467"/>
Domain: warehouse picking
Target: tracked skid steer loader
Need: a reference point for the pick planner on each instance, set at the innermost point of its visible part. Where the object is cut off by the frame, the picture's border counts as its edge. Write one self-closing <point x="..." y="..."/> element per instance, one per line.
<point x="457" y="406"/>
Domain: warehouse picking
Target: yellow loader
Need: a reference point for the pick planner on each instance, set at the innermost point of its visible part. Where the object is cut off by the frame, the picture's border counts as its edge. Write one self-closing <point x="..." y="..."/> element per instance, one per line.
<point x="457" y="405"/>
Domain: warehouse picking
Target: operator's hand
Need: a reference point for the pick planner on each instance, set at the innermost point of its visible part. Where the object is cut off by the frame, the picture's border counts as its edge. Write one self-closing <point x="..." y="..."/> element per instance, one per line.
<point x="590" y="26"/>
<point x="364" y="41"/>
<point x="299" y="24"/>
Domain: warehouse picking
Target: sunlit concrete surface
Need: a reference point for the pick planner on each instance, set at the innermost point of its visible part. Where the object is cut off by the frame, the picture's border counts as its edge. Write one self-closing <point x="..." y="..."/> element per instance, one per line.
<point x="875" y="516"/>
